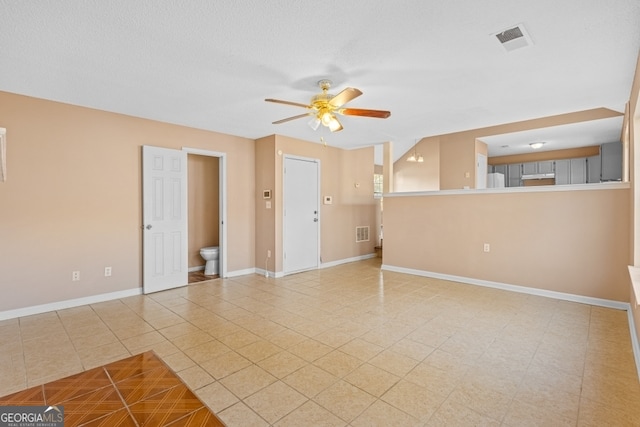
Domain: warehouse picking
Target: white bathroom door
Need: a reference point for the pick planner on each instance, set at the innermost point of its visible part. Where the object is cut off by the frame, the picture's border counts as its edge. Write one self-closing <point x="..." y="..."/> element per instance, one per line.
<point x="164" y="212"/>
<point x="301" y="226"/>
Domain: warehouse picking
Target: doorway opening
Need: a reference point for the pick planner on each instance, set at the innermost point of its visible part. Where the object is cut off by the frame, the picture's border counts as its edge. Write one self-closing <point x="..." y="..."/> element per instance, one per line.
<point x="206" y="188"/>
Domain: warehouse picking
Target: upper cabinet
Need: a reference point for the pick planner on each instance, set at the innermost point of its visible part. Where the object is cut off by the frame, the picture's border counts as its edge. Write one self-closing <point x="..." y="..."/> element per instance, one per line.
<point x="607" y="166"/>
<point x="611" y="161"/>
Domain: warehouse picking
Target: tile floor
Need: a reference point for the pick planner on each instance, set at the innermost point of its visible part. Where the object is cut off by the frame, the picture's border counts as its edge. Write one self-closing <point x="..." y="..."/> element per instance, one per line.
<point x="351" y="345"/>
<point x="135" y="391"/>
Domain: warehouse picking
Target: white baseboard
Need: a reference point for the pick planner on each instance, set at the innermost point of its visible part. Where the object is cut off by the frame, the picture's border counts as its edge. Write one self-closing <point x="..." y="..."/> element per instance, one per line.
<point x="618" y="305"/>
<point x="347" y="260"/>
<point x="244" y="272"/>
<point x="192" y="269"/>
<point x="513" y="288"/>
<point x="61" y="305"/>
<point x="271" y="274"/>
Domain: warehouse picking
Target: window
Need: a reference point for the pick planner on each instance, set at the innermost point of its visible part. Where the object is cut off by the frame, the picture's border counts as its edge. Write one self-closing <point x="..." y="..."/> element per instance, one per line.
<point x="377" y="185"/>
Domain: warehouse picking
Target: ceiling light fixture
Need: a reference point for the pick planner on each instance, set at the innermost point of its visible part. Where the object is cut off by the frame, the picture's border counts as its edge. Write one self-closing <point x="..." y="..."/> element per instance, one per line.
<point x="415" y="156"/>
<point x="536" y="145"/>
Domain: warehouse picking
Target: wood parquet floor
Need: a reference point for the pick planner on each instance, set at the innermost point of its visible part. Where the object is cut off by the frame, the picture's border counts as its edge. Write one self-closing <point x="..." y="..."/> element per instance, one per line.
<point x="136" y="391"/>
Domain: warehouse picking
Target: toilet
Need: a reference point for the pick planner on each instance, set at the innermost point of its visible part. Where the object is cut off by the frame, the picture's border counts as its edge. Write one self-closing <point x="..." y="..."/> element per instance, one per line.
<point x="211" y="255"/>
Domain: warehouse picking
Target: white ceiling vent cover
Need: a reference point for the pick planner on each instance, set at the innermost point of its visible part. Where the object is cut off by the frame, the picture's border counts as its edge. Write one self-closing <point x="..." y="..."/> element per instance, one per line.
<point x="514" y="38"/>
<point x="362" y="234"/>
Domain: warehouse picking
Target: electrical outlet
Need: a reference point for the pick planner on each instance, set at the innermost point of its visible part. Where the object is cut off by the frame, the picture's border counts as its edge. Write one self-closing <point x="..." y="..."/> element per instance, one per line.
<point x="268" y="253"/>
<point x="107" y="271"/>
<point x="487" y="247"/>
<point x="75" y="276"/>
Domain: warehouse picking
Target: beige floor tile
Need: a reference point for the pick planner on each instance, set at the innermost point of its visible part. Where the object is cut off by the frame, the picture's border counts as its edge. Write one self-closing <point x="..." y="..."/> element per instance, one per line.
<point x="310" y="350"/>
<point x="282" y="364"/>
<point x="338" y="363"/>
<point x="191" y="339"/>
<point x="372" y="379"/>
<point x="259" y="350"/>
<point x="139" y="343"/>
<point x="195" y="377"/>
<point x="435" y="379"/>
<point x="310" y="414"/>
<point x="239" y="339"/>
<point x="178" y="361"/>
<point x="241" y="415"/>
<point x="361" y="349"/>
<point x="482" y="399"/>
<point x="414" y="400"/>
<point x="394" y="363"/>
<point x="206" y="351"/>
<point x="248" y="381"/>
<point x="310" y="380"/>
<point x="216" y="397"/>
<point x="455" y="414"/>
<point x="596" y="414"/>
<point x="381" y="414"/>
<point x="225" y="364"/>
<point x="178" y="330"/>
<point x="275" y="401"/>
<point x="611" y="387"/>
<point x="413" y="349"/>
<point x="98" y="356"/>
<point x="522" y="414"/>
<point x="344" y="400"/>
<point x="333" y="338"/>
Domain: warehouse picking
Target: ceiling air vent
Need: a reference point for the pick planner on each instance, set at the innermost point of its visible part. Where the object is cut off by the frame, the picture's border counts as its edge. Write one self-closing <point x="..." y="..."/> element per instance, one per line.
<point x="514" y="38"/>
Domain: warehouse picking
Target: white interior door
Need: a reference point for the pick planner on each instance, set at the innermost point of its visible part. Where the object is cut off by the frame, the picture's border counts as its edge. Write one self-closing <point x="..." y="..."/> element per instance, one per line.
<point x="164" y="211"/>
<point x="301" y="215"/>
<point x="481" y="171"/>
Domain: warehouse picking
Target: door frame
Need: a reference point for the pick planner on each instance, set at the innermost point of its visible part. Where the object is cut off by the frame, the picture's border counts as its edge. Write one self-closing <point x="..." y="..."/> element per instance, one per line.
<point x="284" y="205"/>
<point x="222" y="182"/>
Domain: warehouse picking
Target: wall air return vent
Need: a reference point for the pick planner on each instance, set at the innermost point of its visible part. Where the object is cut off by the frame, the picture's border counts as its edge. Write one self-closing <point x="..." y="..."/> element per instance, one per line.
<point x="514" y="38"/>
<point x="362" y="234"/>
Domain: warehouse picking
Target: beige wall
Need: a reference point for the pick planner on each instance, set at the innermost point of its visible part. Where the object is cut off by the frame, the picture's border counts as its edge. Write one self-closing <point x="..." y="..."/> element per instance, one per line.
<point x="414" y="176"/>
<point x="204" y="206"/>
<point x="352" y="206"/>
<point x="574" y="242"/>
<point x="72" y="200"/>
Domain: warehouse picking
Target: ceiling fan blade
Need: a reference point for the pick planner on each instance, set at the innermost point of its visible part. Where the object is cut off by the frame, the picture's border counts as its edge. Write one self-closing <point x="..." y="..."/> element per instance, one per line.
<point x="296" y="104"/>
<point x="378" y="114"/>
<point x="288" y="119"/>
<point x="345" y="96"/>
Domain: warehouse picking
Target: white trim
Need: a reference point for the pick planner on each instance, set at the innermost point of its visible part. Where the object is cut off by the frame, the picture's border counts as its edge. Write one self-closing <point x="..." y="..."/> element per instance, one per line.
<point x="241" y="272"/>
<point x="635" y="345"/>
<point x="61" y="305"/>
<point x="199" y="268"/>
<point x="222" y="244"/>
<point x="347" y="260"/>
<point x="506" y="190"/>
<point x="618" y="305"/>
<point x="272" y="274"/>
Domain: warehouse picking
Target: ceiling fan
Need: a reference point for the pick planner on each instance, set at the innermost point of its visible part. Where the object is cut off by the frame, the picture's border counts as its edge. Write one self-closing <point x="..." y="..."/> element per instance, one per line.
<point x="325" y="106"/>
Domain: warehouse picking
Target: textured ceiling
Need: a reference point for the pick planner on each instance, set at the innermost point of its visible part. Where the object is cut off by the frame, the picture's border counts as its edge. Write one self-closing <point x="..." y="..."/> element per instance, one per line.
<point x="434" y="65"/>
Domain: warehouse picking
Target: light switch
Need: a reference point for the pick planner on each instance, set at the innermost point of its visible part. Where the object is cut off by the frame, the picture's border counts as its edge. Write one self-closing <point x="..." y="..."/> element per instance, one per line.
<point x="268" y="204"/>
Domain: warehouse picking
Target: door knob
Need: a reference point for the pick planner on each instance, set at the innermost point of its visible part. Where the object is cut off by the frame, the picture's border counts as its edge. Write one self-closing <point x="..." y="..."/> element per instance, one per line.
<point x="315" y="219"/>
<point x="148" y="227"/>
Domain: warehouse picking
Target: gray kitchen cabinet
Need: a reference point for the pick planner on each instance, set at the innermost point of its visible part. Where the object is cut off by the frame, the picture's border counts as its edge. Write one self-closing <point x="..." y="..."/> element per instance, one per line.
<point x="611" y="161"/>
<point x="593" y="169"/>
<point x="546" y="166"/>
<point x="500" y="169"/>
<point x="529" y="168"/>
<point x="514" y="175"/>
<point x="579" y="171"/>
<point x="563" y="172"/>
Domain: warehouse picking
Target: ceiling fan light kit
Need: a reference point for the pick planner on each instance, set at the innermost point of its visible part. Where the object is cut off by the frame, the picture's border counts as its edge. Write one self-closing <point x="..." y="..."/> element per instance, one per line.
<point x="324" y="107"/>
